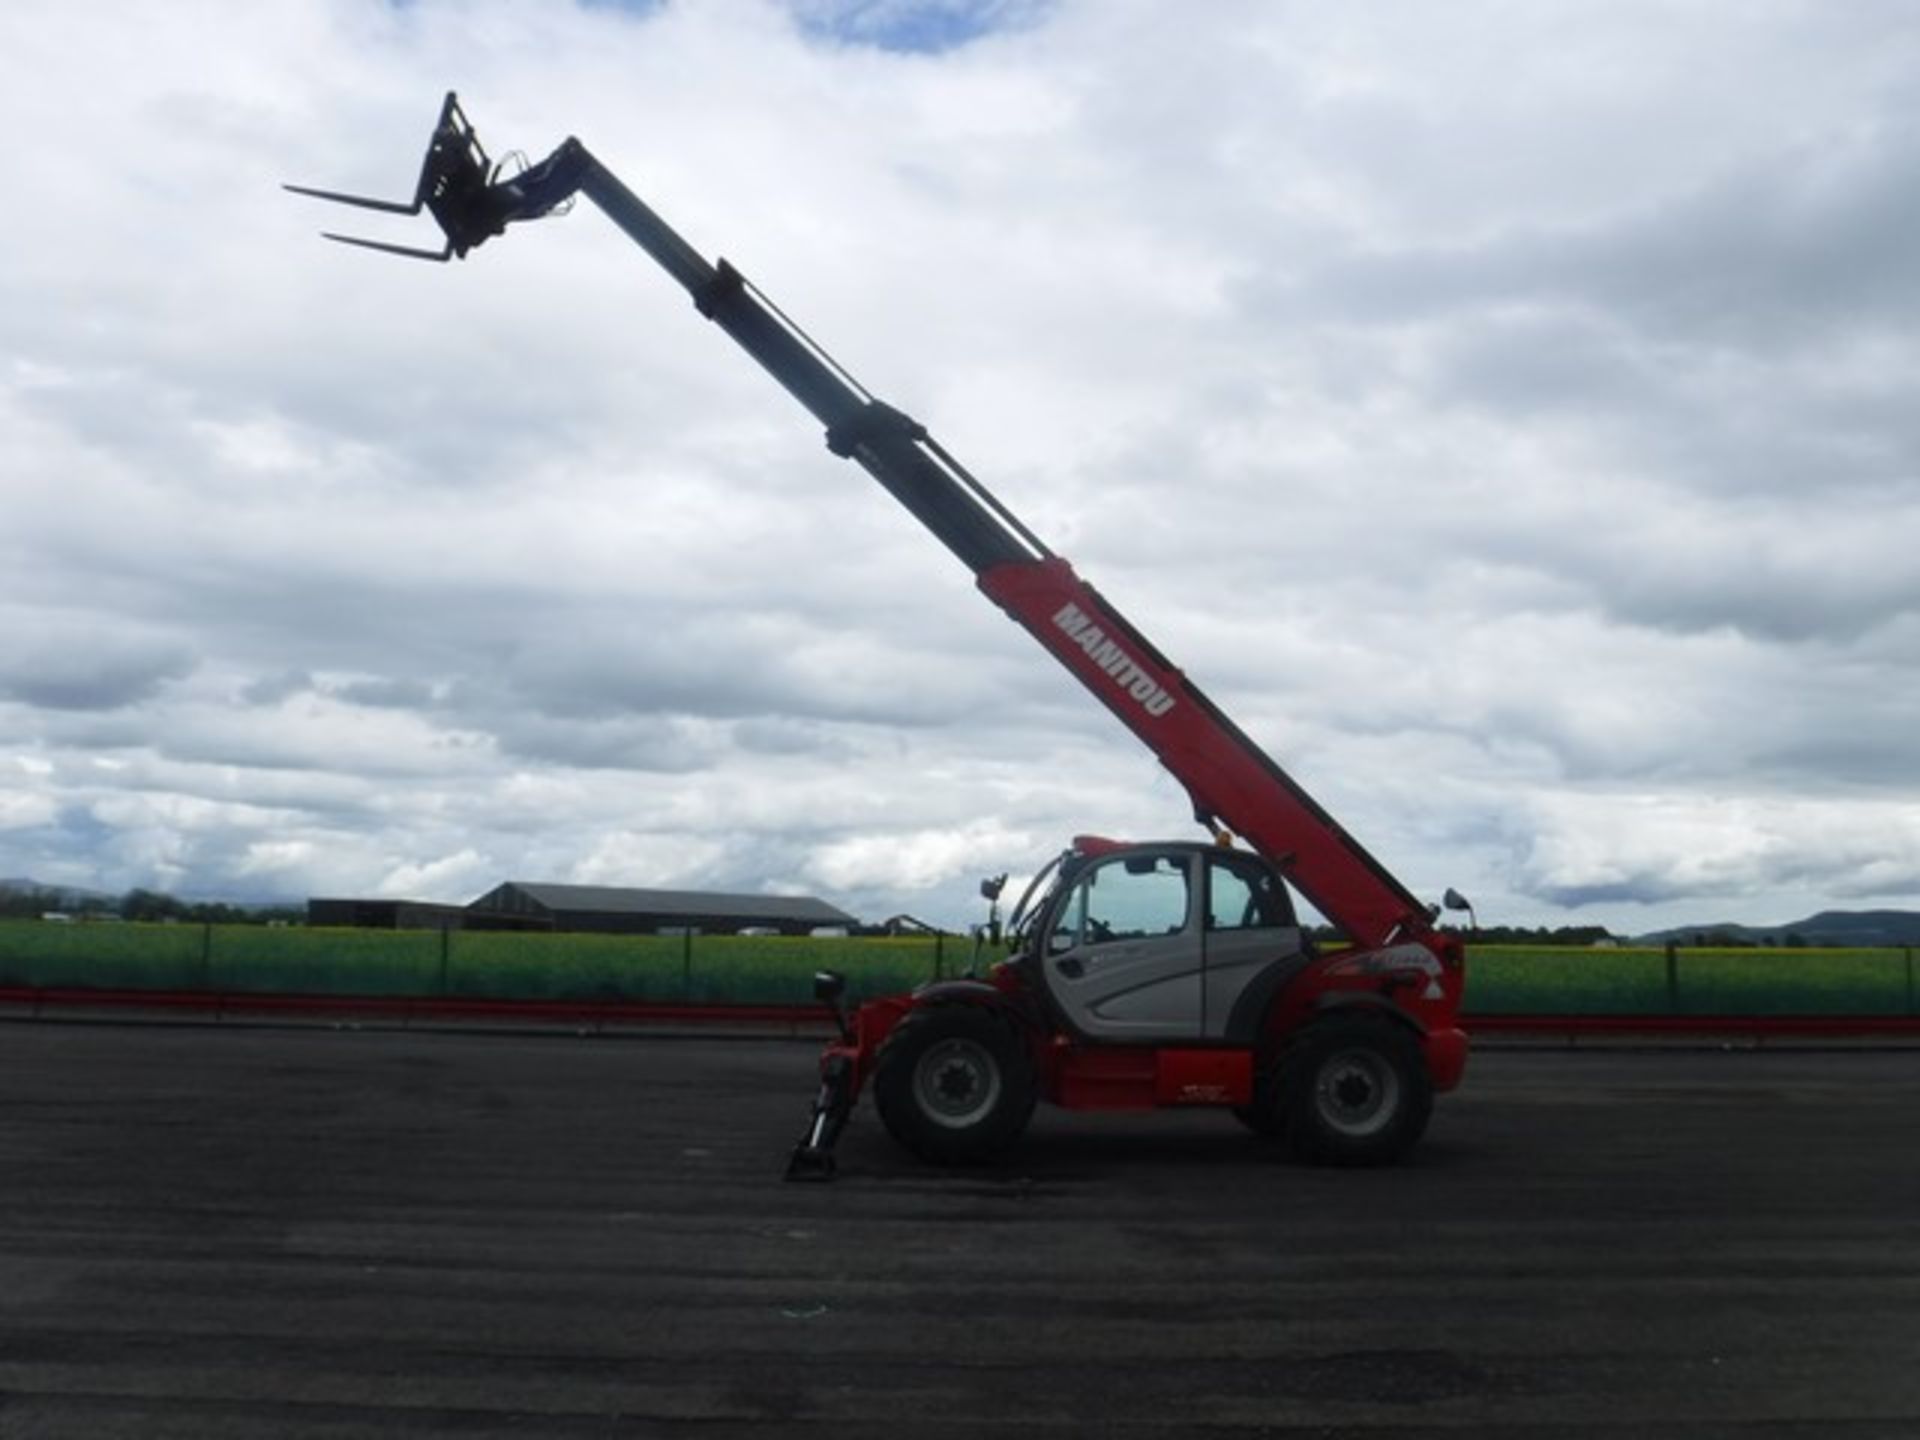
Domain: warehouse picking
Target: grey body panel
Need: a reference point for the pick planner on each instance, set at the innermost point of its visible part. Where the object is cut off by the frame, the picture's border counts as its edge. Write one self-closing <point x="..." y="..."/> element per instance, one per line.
<point x="1243" y="965"/>
<point x="1131" y="990"/>
<point x="1170" y="944"/>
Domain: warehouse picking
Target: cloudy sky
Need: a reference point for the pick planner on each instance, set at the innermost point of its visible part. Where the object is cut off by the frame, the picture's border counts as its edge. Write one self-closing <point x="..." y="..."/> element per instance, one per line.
<point x="1508" y="413"/>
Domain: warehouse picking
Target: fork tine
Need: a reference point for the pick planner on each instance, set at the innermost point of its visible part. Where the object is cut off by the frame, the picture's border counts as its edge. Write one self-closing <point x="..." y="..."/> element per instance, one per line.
<point x="365" y="202"/>
<point x="410" y="251"/>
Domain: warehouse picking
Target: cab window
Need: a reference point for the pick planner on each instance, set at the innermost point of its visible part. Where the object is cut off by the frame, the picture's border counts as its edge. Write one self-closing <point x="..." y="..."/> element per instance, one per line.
<point x="1244" y="896"/>
<point x="1137" y="897"/>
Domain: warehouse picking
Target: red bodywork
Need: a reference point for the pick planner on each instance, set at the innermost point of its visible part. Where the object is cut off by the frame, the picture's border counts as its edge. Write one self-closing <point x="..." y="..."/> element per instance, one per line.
<point x="1080" y="1075"/>
<point x="1400" y="963"/>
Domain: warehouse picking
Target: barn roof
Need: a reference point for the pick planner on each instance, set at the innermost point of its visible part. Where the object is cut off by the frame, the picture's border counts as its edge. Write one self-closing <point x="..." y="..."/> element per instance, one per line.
<point x="622" y="900"/>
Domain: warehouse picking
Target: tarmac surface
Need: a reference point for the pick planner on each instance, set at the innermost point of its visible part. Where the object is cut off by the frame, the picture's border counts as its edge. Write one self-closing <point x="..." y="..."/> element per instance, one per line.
<point x="223" y="1231"/>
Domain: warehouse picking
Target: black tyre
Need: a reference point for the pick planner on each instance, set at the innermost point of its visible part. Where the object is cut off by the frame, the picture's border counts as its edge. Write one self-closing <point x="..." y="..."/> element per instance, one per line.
<point x="1353" y="1090"/>
<point x="1257" y="1118"/>
<point x="954" y="1083"/>
<point x="1262" y="1115"/>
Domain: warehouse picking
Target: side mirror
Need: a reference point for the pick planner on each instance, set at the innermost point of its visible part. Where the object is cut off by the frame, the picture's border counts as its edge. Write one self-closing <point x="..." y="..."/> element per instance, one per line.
<point x="991" y="887"/>
<point x="1454" y="900"/>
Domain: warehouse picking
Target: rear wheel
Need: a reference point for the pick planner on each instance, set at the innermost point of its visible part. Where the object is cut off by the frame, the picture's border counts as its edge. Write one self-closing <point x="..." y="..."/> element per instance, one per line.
<point x="1353" y="1091"/>
<point x="953" y="1083"/>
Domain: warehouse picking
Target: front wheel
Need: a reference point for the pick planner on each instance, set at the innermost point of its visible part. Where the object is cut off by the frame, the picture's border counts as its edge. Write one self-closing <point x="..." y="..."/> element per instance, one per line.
<point x="953" y="1083"/>
<point x="1353" y="1091"/>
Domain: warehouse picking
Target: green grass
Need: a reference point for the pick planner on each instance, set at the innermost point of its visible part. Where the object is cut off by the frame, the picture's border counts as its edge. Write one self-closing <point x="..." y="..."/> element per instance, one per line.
<point x="488" y="965"/>
<point x="254" y="960"/>
<point x="1548" y="980"/>
<point x="105" y="957"/>
<point x="1794" y="982"/>
<point x="771" y="970"/>
<point x="1552" y="980"/>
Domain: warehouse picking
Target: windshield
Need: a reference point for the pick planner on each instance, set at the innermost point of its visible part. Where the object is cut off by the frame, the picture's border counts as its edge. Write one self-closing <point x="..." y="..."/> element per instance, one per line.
<point x="1133" y="897"/>
<point x="1033" y="899"/>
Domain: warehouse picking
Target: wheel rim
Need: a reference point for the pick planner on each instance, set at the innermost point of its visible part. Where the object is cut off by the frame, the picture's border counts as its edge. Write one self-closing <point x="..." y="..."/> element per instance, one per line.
<point x="1357" y="1093"/>
<point x="957" y="1083"/>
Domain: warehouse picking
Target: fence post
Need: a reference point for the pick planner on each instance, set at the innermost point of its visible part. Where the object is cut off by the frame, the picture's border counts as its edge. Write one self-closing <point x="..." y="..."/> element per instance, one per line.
<point x="686" y="965"/>
<point x="940" y="954"/>
<point x="1673" y="979"/>
<point x="1910" y="1009"/>
<point x="446" y="945"/>
<point x="206" y="956"/>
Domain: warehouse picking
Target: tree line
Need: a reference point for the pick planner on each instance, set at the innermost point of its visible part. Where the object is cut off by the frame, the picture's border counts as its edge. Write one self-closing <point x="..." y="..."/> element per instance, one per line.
<point x="141" y="905"/>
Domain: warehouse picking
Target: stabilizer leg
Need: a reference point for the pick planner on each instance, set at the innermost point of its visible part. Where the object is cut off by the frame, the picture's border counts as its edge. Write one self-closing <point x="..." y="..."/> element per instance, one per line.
<point x="812" y="1158"/>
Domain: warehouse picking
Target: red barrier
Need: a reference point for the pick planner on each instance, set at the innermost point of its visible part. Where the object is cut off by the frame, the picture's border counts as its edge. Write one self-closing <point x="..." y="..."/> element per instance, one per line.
<point x="1812" y="1026"/>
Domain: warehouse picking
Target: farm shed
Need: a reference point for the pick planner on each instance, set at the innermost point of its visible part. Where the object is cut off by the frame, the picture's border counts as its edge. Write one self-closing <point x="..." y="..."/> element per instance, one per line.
<point x="386" y="914"/>
<point x="613" y="910"/>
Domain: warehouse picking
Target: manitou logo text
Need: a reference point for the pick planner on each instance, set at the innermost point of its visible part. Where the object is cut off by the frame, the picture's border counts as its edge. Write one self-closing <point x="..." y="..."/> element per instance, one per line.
<point x="1115" y="661"/>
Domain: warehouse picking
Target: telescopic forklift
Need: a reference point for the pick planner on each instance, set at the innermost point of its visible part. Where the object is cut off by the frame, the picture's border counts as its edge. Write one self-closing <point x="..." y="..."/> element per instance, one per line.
<point x="1136" y="975"/>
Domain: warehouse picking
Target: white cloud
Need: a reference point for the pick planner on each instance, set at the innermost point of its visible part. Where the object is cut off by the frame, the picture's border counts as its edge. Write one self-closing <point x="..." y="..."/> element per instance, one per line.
<point x="1781" y="852"/>
<point x="1507" y="415"/>
<point x="917" y="861"/>
<point x="450" y="879"/>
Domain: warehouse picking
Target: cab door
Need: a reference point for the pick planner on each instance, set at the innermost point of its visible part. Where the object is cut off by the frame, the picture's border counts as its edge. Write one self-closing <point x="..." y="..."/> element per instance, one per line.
<point x="1123" y="951"/>
<point x="1254" y="945"/>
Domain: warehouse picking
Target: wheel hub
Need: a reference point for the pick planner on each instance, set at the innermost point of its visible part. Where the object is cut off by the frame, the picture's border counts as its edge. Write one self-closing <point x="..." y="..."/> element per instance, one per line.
<point x="957" y="1083"/>
<point x="1357" y="1092"/>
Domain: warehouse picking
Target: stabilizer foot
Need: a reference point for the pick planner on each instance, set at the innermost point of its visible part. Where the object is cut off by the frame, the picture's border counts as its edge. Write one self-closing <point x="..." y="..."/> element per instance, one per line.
<point x="811" y="1162"/>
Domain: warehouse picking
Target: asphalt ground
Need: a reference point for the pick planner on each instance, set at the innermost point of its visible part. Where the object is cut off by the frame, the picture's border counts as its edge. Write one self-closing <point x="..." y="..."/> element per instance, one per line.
<point x="221" y="1231"/>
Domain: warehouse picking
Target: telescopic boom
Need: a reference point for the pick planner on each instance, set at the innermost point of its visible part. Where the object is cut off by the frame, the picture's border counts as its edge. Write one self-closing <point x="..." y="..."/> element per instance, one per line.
<point x="1230" y="780"/>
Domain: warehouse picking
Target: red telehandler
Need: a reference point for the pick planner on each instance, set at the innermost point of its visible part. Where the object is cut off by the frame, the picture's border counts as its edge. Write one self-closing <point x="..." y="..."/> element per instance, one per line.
<point x="1138" y="975"/>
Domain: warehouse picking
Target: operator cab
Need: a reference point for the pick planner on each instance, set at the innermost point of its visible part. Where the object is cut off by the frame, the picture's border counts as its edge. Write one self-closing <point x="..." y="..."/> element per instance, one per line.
<point x="1167" y="943"/>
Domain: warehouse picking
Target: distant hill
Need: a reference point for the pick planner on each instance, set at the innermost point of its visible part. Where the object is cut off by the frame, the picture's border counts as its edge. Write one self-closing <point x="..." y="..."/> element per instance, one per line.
<point x="1829" y="927"/>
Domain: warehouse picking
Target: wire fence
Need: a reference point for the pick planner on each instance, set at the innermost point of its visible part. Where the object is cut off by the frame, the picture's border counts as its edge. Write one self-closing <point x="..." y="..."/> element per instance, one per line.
<point x="461" y="964"/>
<point x="1685" y="981"/>
<point x="692" y="969"/>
